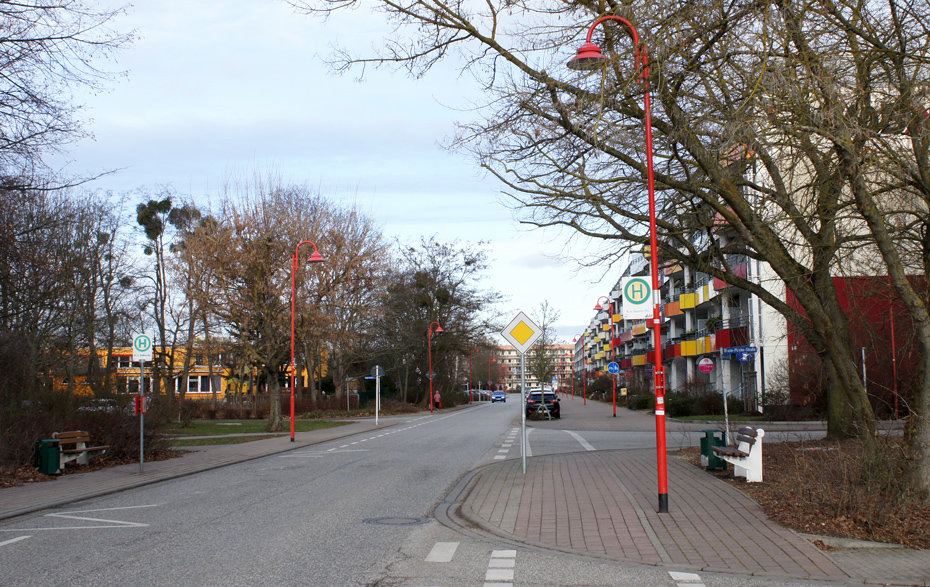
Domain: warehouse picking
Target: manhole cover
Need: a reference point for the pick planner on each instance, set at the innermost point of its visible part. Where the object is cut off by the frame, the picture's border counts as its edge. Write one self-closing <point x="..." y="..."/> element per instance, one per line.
<point x="397" y="521"/>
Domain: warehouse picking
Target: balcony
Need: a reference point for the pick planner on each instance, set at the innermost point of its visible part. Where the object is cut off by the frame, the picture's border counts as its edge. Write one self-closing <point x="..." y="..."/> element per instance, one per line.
<point x="738" y="270"/>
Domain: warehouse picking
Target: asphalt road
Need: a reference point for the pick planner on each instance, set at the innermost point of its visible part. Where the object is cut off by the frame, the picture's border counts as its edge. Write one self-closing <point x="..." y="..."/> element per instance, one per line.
<point x="353" y="512"/>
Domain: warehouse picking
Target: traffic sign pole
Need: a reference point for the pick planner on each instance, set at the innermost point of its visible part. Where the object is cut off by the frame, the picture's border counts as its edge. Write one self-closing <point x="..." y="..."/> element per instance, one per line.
<point x="142" y="351"/>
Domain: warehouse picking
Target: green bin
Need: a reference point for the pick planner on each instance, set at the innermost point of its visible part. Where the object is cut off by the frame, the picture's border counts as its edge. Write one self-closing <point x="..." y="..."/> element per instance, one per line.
<point x="711" y="439"/>
<point x="48" y="456"/>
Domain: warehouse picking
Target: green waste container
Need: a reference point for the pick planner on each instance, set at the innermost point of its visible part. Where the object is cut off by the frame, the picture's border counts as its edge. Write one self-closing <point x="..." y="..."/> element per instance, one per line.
<point x="48" y="456"/>
<point x="711" y="439"/>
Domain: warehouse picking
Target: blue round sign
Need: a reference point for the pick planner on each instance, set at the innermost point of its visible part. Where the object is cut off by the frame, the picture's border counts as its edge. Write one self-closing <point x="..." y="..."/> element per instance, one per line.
<point x="613" y="367"/>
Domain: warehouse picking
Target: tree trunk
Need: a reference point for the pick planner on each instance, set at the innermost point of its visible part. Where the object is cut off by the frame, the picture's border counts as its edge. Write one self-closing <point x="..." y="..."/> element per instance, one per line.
<point x="275" y="419"/>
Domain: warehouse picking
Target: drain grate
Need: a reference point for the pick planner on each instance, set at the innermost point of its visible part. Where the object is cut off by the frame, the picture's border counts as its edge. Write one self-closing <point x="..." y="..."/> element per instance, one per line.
<point x="396" y="521"/>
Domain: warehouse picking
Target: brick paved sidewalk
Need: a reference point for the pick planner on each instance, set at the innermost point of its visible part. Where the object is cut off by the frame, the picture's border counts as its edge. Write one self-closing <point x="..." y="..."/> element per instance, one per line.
<point x="604" y="503"/>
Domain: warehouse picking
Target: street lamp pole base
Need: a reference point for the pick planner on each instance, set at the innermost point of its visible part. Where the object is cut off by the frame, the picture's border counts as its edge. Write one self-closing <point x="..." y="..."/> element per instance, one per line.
<point x="292" y="440"/>
<point x="663" y="503"/>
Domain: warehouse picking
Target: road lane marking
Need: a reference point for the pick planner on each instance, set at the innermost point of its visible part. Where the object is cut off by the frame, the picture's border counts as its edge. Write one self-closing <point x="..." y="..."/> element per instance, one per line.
<point x="584" y="443"/>
<point x="500" y="569"/>
<point x="318" y="454"/>
<point x="686" y="579"/>
<point x="500" y="457"/>
<point x="12" y="540"/>
<point x="504" y="554"/>
<point x="71" y="516"/>
<point x="498" y="575"/>
<point x="442" y="552"/>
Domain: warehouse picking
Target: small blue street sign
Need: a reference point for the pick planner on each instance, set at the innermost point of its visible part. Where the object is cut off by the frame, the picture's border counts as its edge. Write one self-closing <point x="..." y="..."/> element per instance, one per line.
<point x="613" y="367"/>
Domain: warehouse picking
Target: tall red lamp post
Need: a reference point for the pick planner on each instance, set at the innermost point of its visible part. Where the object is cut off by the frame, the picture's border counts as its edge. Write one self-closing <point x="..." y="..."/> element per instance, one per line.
<point x="589" y="57"/>
<point x="429" y="353"/>
<point x="316" y="257"/>
<point x="613" y="350"/>
<point x="490" y="377"/>
<point x="584" y="374"/>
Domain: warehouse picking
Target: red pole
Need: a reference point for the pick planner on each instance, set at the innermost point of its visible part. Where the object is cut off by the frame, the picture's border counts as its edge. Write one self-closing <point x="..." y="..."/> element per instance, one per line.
<point x="295" y="261"/>
<point x="659" y="373"/>
<point x="470" y="394"/>
<point x="429" y="353"/>
<point x="894" y="360"/>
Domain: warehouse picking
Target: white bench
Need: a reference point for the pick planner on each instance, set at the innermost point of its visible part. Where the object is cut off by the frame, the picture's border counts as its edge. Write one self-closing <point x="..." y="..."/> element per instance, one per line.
<point x="81" y="452"/>
<point x="747" y="456"/>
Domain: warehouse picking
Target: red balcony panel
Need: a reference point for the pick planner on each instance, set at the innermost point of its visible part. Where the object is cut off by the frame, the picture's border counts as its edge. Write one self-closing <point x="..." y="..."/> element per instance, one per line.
<point x="626" y="364"/>
<point x="738" y="270"/>
<point x="616" y="342"/>
<point x="729" y="337"/>
<point x="671" y="351"/>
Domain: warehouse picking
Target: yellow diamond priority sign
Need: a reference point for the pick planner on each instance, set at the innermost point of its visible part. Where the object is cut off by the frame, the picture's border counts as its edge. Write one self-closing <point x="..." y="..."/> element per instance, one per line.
<point x="521" y="333"/>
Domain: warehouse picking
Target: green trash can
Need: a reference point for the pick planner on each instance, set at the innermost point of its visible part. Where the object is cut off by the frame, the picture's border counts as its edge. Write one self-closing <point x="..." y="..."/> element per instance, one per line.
<point x="709" y="459"/>
<point x="48" y="456"/>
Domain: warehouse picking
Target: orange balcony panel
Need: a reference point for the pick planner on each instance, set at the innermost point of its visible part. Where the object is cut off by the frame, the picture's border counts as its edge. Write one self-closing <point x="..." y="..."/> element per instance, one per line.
<point x="673" y="309"/>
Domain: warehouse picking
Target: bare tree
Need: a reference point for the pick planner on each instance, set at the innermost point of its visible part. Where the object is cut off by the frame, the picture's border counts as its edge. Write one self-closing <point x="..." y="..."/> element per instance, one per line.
<point x="49" y="49"/>
<point x="775" y="123"/>
<point x="543" y="362"/>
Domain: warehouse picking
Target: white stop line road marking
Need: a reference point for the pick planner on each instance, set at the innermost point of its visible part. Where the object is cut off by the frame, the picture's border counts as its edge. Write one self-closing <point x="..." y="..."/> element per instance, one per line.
<point x="442" y="552"/>
<point x="106" y="523"/>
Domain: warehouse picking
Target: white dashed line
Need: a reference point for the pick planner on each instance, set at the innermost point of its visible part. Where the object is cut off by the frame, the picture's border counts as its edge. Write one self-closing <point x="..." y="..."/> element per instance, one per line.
<point x="12" y="540"/>
<point x="500" y="569"/>
<point x="686" y="579"/>
<point x="442" y="552"/>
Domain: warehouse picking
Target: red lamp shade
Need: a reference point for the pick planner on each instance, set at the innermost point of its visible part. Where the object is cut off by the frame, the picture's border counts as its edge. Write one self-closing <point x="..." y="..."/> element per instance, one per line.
<point x="439" y="329"/>
<point x="316" y="257"/>
<point x="589" y="57"/>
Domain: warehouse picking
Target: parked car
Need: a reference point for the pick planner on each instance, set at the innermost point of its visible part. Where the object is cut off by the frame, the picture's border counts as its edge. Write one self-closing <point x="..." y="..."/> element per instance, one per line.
<point x="538" y="400"/>
<point x="499" y="396"/>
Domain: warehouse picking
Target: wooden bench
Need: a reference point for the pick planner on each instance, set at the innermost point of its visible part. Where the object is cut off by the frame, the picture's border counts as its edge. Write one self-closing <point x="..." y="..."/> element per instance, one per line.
<point x="747" y="456"/>
<point x="80" y="451"/>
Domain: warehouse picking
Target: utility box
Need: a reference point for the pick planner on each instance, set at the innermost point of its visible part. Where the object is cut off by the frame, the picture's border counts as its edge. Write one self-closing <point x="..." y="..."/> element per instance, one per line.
<point x="48" y="456"/>
<point x="709" y="460"/>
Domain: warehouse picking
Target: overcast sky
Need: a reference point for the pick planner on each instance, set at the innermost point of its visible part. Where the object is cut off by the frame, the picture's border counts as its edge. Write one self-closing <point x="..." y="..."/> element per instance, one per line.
<point x="219" y="88"/>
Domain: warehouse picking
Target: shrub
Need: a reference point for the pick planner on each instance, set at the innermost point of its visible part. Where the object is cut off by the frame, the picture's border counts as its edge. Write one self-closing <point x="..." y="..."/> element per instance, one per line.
<point x="642" y="402"/>
<point x="679" y="405"/>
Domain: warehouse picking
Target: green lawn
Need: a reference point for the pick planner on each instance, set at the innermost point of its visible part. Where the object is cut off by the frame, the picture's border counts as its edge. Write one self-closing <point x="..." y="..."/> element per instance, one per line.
<point x="719" y="418"/>
<point x="220" y="427"/>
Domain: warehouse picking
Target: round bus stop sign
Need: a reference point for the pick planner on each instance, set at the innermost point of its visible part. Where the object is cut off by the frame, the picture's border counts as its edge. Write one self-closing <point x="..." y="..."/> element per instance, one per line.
<point x="706" y="365"/>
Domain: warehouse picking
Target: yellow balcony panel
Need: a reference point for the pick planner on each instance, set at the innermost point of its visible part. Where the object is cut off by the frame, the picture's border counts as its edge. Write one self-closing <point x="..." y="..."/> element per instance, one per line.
<point x="606" y="326"/>
<point x="689" y="348"/>
<point x="639" y="360"/>
<point x="639" y="329"/>
<point x="616" y="317"/>
<point x="687" y="301"/>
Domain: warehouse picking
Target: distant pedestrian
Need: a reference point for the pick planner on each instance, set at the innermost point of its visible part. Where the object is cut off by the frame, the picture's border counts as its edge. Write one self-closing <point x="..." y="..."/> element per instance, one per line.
<point x="437" y="400"/>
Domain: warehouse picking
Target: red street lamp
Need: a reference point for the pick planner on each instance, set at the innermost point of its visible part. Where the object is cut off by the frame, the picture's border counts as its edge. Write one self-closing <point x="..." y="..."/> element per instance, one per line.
<point x="316" y="257"/>
<point x="584" y="375"/>
<point x="613" y="350"/>
<point x="490" y="375"/>
<point x="589" y="57"/>
<point x="429" y="352"/>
